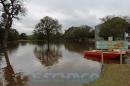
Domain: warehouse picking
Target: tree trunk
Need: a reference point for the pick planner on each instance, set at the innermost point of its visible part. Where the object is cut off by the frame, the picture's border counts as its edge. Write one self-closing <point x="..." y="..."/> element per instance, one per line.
<point x="48" y="41"/>
<point x="6" y="57"/>
<point x="5" y="40"/>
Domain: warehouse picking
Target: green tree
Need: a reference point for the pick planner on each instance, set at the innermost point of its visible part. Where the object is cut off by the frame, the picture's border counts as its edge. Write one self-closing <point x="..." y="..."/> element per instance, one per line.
<point x="57" y="37"/>
<point x="23" y="36"/>
<point x="13" y="35"/>
<point x="38" y="34"/>
<point x="91" y="34"/>
<point x="46" y="27"/>
<point x="115" y="27"/>
<point x="80" y="33"/>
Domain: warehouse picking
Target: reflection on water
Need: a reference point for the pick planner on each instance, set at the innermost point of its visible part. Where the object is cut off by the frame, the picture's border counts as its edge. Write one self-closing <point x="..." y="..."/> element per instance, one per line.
<point x="47" y="57"/>
<point x="27" y="59"/>
<point x="12" y="47"/>
<point x="23" y="43"/>
<point x="79" y="47"/>
<point x="9" y="77"/>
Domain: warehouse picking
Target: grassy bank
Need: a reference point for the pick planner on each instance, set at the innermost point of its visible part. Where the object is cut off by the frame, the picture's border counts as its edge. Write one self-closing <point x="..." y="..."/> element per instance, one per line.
<point x="114" y="75"/>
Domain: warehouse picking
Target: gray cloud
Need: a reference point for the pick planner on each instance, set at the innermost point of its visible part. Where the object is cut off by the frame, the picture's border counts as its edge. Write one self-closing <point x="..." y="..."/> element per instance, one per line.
<point x="70" y="12"/>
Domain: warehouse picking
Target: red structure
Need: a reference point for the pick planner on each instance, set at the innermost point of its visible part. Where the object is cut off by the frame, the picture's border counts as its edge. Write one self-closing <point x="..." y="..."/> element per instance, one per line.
<point x="106" y="54"/>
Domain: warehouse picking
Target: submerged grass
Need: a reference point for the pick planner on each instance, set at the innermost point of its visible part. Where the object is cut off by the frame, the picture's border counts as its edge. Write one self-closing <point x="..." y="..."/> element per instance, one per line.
<point x="114" y="75"/>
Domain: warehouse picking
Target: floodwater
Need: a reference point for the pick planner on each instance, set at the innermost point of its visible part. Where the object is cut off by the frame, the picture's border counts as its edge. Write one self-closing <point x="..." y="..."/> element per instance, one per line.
<point x="33" y="64"/>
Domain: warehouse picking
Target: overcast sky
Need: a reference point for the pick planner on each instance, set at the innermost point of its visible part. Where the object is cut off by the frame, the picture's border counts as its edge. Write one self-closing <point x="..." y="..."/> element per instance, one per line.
<point x="70" y="12"/>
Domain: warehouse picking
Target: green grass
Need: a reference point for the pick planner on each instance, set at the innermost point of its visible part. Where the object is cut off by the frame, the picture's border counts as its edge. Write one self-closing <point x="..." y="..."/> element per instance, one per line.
<point x="114" y="75"/>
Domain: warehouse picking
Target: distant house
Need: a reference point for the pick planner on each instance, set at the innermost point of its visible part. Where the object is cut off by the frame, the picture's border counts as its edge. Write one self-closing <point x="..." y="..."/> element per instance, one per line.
<point x="103" y="44"/>
<point x="127" y="36"/>
<point x="97" y="30"/>
<point x="98" y="38"/>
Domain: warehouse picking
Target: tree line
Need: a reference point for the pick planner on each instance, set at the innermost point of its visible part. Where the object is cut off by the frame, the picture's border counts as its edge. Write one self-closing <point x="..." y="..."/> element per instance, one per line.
<point x="49" y="29"/>
<point x="13" y="35"/>
<point x="111" y="26"/>
<point x="79" y="34"/>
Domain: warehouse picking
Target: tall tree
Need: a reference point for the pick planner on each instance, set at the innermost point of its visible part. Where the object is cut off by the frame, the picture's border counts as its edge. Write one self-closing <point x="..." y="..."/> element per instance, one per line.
<point x="47" y="26"/>
<point x="23" y="36"/>
<point x="115" y="27"/>
<point x="80" y="33"/>
<point x="10" y="10"/>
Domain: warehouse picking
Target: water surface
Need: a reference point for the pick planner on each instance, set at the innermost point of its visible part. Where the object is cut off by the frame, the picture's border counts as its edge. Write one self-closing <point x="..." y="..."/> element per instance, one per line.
<point x="33" y="64"/>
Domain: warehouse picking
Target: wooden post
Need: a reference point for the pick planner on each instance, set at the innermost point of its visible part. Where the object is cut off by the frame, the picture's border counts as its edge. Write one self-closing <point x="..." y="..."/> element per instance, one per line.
<point x="102" y="57"/>
<point x="120" y="57"/>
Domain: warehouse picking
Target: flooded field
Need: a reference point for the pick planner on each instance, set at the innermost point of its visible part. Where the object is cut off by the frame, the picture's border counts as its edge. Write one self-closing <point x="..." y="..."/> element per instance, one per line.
<point x="33" y="64"/>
